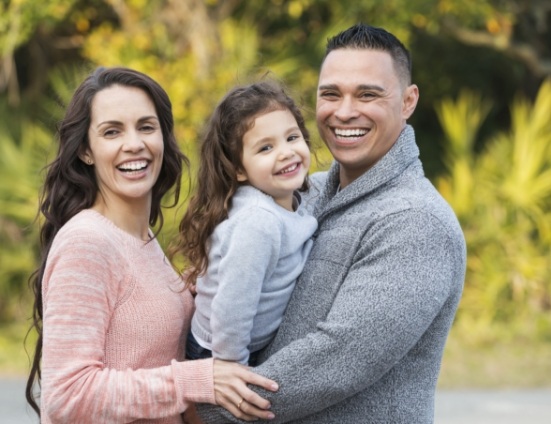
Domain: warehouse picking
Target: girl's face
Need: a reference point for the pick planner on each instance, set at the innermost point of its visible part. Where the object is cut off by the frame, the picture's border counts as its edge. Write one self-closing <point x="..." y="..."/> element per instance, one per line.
<point x="126" y="146"/>
<point x="275" y="156"/>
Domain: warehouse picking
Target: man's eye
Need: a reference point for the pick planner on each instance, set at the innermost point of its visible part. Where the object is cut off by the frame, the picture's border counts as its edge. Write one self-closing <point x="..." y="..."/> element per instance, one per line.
<point x="368" y="95"/>
<point x="328" y="94"/>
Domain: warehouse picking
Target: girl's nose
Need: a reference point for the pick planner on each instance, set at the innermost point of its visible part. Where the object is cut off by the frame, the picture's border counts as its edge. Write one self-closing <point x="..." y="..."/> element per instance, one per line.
<point x="286" y="152"/>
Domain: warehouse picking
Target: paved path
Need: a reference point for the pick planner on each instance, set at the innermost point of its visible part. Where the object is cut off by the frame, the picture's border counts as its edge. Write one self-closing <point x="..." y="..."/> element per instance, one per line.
<point x="493" y="407"/>
<point x="13" y="406"/>
<point x="452" y="407"/>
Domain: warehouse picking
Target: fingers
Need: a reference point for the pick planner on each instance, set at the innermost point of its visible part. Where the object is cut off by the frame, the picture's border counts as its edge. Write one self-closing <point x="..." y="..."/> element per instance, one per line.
<point x="254" y="399"/>
<point x="260" y="381"/>
<point x="249" y="410"/>
<point x="231" y="391"/>
<point x="245" y="411"/>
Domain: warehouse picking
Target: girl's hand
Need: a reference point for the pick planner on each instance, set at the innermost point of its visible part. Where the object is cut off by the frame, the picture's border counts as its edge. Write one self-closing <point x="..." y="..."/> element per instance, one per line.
<point x="232" y="393"/>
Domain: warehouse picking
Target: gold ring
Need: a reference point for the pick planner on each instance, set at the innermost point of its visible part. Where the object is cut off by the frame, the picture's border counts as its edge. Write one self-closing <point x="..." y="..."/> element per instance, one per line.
<point x="239" y="404"/>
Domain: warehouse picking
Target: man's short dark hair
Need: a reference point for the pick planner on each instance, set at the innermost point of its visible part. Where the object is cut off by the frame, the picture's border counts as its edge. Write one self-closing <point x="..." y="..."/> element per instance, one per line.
<point x="362" y="36"/>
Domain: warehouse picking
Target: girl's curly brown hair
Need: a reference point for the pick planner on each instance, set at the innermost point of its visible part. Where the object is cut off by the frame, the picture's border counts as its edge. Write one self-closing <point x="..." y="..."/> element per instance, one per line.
<point x="221" y="159"/>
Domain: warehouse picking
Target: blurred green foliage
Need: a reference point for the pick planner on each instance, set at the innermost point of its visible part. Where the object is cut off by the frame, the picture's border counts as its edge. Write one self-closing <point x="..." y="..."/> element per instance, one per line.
<point x="502" y="197"/>
<point x="483" y="121"/>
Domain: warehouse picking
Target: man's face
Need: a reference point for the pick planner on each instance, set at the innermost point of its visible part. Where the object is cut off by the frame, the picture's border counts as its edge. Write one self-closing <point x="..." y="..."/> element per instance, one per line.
<point x="362" y="107"/>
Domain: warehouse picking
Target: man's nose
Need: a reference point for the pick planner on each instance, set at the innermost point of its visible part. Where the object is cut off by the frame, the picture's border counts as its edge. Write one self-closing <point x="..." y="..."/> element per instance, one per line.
<point x="346" y="109"/>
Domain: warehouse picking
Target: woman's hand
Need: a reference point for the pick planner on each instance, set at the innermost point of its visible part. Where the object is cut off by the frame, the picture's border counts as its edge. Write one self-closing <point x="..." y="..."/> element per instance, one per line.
<point x="232" y="393"/>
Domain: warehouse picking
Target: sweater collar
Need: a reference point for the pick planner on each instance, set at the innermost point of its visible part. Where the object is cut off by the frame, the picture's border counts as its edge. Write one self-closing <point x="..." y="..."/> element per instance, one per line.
<point x="398" y="158"/>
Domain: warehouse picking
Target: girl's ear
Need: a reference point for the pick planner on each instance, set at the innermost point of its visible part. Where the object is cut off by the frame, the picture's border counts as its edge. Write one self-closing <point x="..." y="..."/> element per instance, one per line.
<point x="241" y="176"/>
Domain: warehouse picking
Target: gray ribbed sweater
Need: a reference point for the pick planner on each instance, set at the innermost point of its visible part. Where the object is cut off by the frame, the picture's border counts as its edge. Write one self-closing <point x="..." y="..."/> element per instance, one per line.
<point x="363" y="335"/>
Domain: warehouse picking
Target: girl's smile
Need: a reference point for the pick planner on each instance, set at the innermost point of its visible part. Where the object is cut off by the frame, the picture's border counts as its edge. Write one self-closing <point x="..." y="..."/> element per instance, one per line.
<point x="275" y="156"/>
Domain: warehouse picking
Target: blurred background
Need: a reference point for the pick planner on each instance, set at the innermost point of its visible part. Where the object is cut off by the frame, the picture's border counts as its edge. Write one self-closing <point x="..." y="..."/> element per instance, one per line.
<point x="483" y="126"/>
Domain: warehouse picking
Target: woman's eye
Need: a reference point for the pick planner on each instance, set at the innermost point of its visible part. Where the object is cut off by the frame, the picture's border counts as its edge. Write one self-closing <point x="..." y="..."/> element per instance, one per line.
<point x="148" y="128"/>
<point x="110" y="133"/>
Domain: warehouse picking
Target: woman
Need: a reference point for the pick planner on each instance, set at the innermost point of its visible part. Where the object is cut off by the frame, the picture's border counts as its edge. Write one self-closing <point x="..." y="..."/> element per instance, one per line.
<point x="109" y="308"/>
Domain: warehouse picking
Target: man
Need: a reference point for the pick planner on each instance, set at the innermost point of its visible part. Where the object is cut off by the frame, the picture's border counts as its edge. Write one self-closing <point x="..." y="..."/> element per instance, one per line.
<point x="363" y="335"/>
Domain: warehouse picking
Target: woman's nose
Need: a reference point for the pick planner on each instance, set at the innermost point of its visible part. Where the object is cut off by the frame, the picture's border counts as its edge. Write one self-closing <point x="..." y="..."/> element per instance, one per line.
<point x="133" y="141"/>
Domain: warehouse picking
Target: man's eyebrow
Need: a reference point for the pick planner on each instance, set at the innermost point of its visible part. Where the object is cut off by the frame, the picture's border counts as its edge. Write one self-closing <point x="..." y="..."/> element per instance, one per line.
<point x="328" y="87"/>
<point x="359" y="87"/>
<point x="370" y="87"/>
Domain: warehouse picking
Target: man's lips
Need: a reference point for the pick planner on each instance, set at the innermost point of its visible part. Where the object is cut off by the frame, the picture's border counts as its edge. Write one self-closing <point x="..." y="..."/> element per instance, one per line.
<point x="350" y="132"/>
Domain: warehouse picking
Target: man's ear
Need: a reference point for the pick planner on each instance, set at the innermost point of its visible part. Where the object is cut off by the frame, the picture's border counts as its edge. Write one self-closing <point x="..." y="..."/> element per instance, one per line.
<point x="411" y="96"/>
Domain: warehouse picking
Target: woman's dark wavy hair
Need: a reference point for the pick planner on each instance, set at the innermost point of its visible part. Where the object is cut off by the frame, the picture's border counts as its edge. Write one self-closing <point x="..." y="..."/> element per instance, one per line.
<point x="221" y="159"/>
<point x="71" y="186"/>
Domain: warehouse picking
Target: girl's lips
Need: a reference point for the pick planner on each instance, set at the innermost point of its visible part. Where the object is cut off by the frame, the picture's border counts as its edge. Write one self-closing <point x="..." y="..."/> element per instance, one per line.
<point x="289" y="169"/>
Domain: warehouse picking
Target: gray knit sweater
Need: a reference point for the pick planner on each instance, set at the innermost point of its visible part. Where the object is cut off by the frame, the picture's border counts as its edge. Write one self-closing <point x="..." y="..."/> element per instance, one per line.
<point x="363" y="335"/>
<point x="255" y="257"/>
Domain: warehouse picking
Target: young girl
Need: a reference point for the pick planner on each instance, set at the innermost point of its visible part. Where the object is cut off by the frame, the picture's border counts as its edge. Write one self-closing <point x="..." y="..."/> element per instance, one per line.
<point x="110" y="305"/>
<point x="245" y="234"/>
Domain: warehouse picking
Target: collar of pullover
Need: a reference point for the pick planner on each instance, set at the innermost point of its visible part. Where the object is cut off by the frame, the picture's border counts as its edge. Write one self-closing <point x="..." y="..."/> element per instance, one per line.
<point x="398" y="158"/>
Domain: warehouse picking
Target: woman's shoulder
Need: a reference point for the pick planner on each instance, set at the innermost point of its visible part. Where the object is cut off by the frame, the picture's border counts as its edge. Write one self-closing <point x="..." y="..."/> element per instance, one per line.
<point x="87" y="221"/>
<point x="86" y="228"/>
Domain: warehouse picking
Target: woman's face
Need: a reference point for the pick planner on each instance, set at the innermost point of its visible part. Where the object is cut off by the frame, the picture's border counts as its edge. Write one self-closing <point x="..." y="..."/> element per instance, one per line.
<point x="126" y="145"/>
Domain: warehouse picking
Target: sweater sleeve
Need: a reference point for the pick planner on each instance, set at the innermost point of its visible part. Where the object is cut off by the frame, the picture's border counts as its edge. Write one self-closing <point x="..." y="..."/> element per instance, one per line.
<point x="252" y="250"/>
<point x="80" y="292"/>
<point x="398" y="283"/>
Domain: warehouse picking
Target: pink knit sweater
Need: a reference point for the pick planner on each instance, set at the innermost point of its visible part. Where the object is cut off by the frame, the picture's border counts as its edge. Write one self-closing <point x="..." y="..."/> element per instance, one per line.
<point x="115" y="321"/>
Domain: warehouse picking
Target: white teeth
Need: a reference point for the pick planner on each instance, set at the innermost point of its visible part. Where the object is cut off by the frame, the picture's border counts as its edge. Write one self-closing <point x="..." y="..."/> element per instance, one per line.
<point x="289" y="169"/>
<point x="133" y="166"/>
<point x="350" y="133"/>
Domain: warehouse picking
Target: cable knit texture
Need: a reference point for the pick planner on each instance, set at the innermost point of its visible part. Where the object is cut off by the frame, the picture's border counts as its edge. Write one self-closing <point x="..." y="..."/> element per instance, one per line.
<point x="363" y="335"/>
<point x="115" y="320"/>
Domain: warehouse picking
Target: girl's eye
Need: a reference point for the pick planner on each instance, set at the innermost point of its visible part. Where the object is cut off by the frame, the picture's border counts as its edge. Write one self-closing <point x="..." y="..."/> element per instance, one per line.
<point x="266" y="148"/>
<point x="293" y="137"/>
